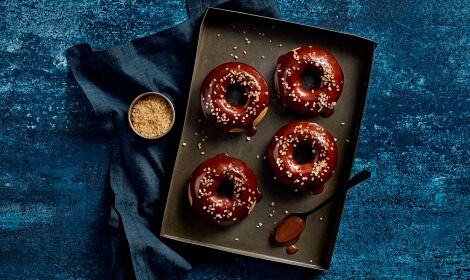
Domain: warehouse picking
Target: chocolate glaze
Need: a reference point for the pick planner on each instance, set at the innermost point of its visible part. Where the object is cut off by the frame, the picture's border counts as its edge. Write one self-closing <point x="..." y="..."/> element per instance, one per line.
<point x="288" y="81"/>
<point x="205" y="196"/>
<point x="219" y="111"/>
<point x="310" y="175"/>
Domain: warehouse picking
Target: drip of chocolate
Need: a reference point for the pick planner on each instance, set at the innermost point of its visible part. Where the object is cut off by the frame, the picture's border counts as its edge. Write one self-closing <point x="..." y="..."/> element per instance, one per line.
<point x="291" y="249"/>
<point x="250" y="131"/>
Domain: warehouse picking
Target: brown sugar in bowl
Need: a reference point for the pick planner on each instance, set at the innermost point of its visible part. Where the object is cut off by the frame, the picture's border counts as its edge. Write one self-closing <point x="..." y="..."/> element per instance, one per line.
<point x="151" y="115"/>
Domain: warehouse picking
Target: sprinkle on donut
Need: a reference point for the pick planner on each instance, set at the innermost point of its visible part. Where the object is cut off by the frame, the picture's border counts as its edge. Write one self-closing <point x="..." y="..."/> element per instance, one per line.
<point x="234" y="117"/>
<point x="316" y="169"/>
<point x="321" y="98"/>
<point x="223" y="190"/>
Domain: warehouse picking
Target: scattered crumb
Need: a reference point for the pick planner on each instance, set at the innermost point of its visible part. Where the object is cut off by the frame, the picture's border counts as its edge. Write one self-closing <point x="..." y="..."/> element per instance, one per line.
<point x="260" y="224"/>
<point x="248" y="138"/>
<point x="336" y="140"/>
<point x="236" y="239"/>
<point x="235" y="47"/>
<point x="195" y="133"/>
<point x="262" y="57"/>
<point x="184" y="144"/>
<point x="270" y="215"/>
<point x="257" y="156"/>
<point x="244" y="52"/>
<point x="273" y="204"/>
<point x="199" y="146"/>
<point x="280" y="45"/>
<point x="321" y="219"/>
<point x="218" y="35"/>
<point x="347" y="140"/>
<point x="342" y="123"/>
<point x="311" y="261"/>
<point x="286" y="212"/>
<point x="203" y="153"/>
<point x="236" y="56"/>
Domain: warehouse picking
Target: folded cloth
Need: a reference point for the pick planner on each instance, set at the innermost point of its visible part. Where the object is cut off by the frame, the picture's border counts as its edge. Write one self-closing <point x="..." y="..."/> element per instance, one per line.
<point x="139" y="170"/>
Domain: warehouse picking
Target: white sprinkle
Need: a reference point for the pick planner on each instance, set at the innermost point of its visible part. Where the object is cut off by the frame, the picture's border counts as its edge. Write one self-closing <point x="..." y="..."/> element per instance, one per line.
<point x="199" y="146"/>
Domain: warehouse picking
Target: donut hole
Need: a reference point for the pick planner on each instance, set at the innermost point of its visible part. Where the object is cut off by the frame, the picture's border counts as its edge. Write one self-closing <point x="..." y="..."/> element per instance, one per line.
<point x="226" y="189"/>
<point x="311" y="79"/>
<point x="304" y="152"/>
<point x="236" y="95"/>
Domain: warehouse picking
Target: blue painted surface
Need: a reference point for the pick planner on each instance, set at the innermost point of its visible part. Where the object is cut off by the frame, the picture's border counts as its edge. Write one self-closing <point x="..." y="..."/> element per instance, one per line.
<point x="411" y="220"/>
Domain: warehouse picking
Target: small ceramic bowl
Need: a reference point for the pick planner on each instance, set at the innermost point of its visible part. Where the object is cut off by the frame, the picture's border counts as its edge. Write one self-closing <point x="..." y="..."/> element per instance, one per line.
<point x="168" y="101"/>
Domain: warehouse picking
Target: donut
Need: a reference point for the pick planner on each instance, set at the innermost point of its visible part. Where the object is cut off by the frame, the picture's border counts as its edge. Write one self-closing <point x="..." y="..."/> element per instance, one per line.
<point x="316" y="148"/>
<point x="318" y="98"/>
<point x="223" y="190"/>
<point x="235" y="76"/>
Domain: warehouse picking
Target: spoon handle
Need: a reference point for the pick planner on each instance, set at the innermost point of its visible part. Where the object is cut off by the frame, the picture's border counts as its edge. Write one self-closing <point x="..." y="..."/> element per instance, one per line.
<point x="355" y="180"/>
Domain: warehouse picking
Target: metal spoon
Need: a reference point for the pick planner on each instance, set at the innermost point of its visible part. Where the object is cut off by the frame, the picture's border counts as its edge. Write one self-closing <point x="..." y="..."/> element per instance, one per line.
<point x="291" y="227"/>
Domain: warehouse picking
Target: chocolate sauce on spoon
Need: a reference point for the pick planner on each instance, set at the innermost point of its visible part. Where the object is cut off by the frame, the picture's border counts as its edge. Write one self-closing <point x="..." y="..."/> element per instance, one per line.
<point x="291" y="227"/>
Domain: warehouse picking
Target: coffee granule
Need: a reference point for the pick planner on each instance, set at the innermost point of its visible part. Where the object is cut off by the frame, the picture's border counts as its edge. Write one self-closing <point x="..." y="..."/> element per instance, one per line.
<point x="151" y="116"/>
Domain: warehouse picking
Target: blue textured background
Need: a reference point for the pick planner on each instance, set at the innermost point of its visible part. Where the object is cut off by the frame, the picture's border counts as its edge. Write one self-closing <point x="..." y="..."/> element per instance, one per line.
<point x="411" y="220"/>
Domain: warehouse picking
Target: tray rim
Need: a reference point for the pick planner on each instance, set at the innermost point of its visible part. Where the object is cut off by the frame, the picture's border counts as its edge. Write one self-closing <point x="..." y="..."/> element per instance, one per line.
<point x="332" y="246"/>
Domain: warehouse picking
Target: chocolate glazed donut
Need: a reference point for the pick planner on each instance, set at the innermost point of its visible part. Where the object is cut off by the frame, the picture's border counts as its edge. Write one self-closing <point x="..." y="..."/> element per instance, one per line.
<point x="223" y="190"/>
<point x="318" y="98"/>
<point x="235" y="117"/>
<point x="316" y="145"/>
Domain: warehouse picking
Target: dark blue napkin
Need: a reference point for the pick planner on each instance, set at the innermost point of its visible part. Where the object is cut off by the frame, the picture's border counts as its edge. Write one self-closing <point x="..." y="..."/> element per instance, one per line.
<point x="140" y="170"/>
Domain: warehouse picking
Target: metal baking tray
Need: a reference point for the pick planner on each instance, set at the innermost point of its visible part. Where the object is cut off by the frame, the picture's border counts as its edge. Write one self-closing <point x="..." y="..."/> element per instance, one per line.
<point x="221" y="31"/>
